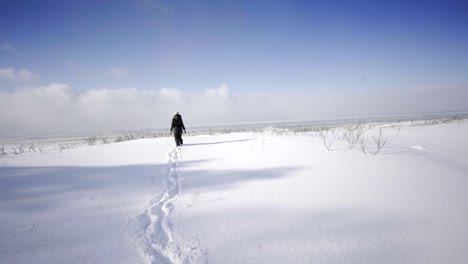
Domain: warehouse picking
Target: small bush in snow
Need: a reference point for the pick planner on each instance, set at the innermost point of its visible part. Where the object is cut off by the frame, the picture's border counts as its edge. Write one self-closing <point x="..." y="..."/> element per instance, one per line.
<point x="119" y="139"/>
<point x="352" y="134"/>
<point x="18" y="150"/>
<point x="381" y="139"/>
<point x="2" y="151"/>
<point x="62" y="147"/>
<point x="328" y="136"/>
<point x="363" y="144"/>
<point x="128" y="137"/>
<point x="91" y="140"/>
<point x="32" y="148"/>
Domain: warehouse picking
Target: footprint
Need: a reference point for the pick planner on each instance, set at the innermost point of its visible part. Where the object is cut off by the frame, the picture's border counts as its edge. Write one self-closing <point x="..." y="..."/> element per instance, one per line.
<point x="155" y="230"/>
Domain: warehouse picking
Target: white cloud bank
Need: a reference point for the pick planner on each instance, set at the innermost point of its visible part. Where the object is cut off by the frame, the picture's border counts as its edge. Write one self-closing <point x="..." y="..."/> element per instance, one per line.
<point x="58" y="108"/>
<point x="11" y="74"/>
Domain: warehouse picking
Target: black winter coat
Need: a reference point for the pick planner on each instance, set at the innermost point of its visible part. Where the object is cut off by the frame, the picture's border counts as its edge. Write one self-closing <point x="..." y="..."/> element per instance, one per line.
<point x="177" y="124"/>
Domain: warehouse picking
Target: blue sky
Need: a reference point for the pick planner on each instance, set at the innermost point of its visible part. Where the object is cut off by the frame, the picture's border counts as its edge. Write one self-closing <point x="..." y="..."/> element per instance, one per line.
<point x="257" y="46"/>
<point x="251" y="45"/>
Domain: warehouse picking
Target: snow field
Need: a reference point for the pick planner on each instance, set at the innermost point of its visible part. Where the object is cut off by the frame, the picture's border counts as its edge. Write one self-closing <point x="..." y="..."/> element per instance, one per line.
<point x="277" y="199"/>
<point x="240" y="198"/>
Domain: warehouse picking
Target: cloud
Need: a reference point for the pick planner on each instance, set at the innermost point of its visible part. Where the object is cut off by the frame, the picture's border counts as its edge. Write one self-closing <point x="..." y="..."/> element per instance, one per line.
<point x="8" y="48"/>
<point x="59" y="108"/>
<point x="117" y="72"/>
<point x="11" y="74"/>
<point x="221" y="92"/>
<point x="170" y="93"/>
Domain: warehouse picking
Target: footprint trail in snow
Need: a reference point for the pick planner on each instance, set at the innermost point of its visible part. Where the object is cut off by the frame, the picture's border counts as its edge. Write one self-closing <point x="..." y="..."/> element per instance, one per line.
<point x="153" y="231"/>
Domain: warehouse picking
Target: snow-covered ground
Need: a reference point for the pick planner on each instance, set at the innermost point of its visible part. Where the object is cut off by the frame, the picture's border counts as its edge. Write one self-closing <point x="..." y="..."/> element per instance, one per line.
<point x="240" y="198"/>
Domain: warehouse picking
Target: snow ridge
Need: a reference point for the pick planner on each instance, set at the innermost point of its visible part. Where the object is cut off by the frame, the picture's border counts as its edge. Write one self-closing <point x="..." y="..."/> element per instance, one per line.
<point x="153" y="229"/>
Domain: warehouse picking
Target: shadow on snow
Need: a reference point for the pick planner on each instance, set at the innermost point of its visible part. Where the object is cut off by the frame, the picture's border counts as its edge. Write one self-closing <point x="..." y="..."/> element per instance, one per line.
<point x="41" y="188"/>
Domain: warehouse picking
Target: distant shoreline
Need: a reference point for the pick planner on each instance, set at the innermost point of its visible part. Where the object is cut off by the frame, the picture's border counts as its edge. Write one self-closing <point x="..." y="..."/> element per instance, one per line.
<point x="237" y="126"/>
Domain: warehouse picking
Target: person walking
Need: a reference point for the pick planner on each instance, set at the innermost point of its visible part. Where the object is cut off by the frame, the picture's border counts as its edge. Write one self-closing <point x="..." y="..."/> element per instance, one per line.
<point x="177" y="127"/>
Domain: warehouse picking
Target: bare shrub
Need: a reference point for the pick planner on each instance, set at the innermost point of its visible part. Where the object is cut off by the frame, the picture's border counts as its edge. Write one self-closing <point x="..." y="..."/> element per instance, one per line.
<point x="446" y="120"/>
<point x="32" y="148"/>
<point x="119" y="139"/>
<point x="328" y="137"/>
<point x="15" y="151"/>
<point x="352" y="134"/>
<point x="453" y="119"/>
<point x="129" y="136"/>
<point x="2" y="151"/>
<point x="62" y="147"/>
<point x="18" y="150"/>
<point x="363" y="144"/>
<point x="59" y="148"/>
<point x="91" y="140"/>
<point x="380" y="139"/>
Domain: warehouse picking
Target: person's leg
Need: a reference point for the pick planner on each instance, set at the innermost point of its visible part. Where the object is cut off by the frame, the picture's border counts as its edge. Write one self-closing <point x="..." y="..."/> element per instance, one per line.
<point x="176" y="138"/>
<point x="181" y="140"/>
